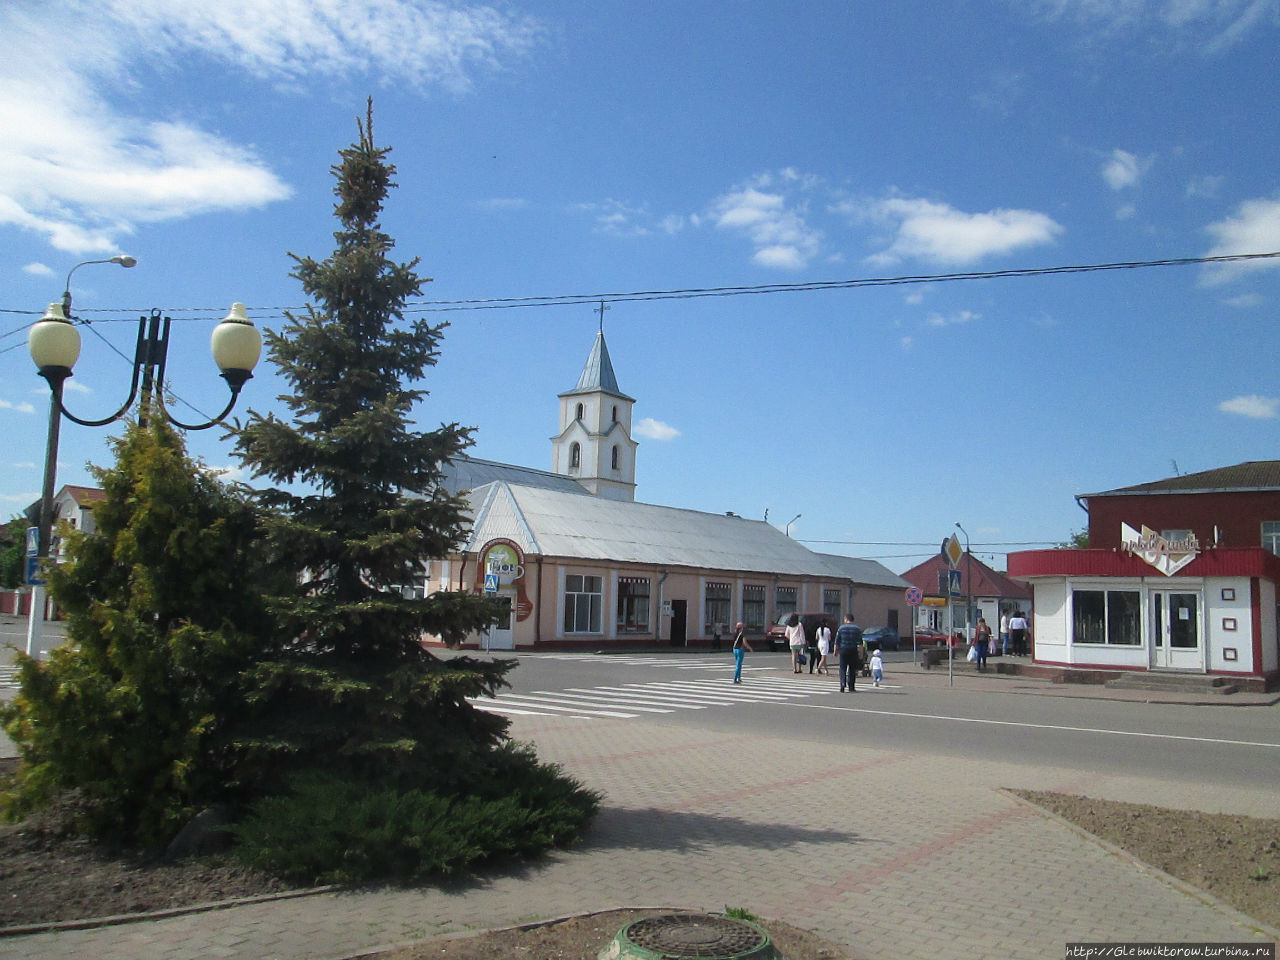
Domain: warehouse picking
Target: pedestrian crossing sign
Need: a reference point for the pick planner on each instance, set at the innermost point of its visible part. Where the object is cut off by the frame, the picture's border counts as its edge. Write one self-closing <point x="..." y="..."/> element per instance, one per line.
<point x="490" y="583"/>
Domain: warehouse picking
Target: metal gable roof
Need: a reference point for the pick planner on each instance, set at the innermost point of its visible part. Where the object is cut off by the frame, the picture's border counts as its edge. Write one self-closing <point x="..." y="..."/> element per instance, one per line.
<point x="593" y="528"/>
<point x="467" y="473"/>
<point x="1250" y="476"/>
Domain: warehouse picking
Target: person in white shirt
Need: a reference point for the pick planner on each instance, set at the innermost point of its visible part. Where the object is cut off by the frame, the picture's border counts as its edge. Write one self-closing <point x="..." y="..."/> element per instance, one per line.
<point x="877" y="668"/>
<point x="824" y="647"/>
<point x="1018" y="633"/>
<point x="795" y="640"/>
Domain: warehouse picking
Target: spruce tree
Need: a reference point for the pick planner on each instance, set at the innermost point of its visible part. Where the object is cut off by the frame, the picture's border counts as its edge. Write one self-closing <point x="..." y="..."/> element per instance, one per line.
<point x="358" y="510"/>
<point x="132" y="715"/>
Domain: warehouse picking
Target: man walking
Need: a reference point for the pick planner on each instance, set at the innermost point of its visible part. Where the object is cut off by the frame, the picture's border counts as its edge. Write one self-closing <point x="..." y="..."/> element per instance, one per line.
<point x="849" y="646"/>
<point x="1018" y="634"/>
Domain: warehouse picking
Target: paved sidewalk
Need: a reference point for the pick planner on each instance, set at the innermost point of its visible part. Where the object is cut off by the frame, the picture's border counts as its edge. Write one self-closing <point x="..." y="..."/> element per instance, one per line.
<point x="705" y="819"/>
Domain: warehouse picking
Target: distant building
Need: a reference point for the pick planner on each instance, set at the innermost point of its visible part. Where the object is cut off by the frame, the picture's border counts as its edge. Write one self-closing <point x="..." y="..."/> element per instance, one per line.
<point x="580" y="563"/>
<point x="1181" y="574"/>
<point x="992" y="592"/>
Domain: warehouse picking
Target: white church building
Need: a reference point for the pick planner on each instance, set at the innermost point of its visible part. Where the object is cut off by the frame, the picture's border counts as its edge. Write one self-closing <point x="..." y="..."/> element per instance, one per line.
<point x="580" y="563"/>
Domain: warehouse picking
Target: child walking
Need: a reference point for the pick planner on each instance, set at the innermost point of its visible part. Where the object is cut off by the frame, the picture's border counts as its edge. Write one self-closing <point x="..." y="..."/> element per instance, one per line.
<point x="877" y="668"/>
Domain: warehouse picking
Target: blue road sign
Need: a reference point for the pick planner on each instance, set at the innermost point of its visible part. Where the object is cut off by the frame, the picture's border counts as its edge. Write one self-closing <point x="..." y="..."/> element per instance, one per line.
<point x="490" y="583"/>
<point x="954" y="578"/>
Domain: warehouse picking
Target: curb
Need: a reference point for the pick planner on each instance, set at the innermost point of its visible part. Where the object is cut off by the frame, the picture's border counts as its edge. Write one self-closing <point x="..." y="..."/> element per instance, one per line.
<point x="89" y="923"/>
<point x="1191" y="890"/>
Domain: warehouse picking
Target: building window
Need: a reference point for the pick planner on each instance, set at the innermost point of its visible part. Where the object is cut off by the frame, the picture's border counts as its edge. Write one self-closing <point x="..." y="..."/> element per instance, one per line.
<point x="575" y="456"/>
<point x="579" y="413"/>
<point x="831" y="604"/>
<point x="785" y="600"/>
<point x="1112" y="617"/>
<point x="615" y="413"/>
<point x="583" y="601"/>
<point x="753" y="612"/>
<point x="718" y="605"/>
<point x="1271" y="536"/>
<point x="633" y="604"/>
<point x="615" y="456"/>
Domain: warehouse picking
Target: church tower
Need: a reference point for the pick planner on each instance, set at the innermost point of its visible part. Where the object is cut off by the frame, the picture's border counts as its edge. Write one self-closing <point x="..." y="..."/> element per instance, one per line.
<point x="594" y="445"/>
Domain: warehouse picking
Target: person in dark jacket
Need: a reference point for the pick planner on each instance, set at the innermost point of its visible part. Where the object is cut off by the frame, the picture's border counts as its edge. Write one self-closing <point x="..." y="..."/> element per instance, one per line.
<point x="849" y="646"/>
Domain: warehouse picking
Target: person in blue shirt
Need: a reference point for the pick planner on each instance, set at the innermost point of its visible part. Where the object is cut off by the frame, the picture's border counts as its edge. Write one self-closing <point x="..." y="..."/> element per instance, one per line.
<point x="849" y="646"/>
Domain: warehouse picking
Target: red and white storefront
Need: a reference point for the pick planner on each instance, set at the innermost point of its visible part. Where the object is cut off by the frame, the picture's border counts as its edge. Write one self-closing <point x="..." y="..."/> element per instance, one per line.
<point x="1156" y="605"/>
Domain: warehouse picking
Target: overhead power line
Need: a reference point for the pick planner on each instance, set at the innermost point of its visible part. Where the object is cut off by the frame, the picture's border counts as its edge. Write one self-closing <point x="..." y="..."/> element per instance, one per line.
<point x="575" y="299"/>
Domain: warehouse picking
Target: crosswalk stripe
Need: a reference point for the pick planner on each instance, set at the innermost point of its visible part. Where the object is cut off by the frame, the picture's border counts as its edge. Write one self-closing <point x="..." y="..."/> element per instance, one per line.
<point x="550" y="696"/>
<point x="629" y="700"/>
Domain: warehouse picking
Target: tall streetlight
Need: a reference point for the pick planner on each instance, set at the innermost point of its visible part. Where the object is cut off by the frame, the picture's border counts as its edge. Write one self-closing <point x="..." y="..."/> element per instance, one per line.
<point x="790" y="522"/>
<point x="968" y="580"/>
<point x="54" y="344"/>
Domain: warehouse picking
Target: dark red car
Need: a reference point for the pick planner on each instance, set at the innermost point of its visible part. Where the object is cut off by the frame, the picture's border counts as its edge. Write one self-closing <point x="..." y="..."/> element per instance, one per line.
<point x="926" y="637"/>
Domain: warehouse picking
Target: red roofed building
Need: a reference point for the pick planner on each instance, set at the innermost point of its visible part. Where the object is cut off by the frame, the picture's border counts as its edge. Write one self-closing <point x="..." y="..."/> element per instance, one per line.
<point x="993" y="594"/>
<point x="1182" y="575"/>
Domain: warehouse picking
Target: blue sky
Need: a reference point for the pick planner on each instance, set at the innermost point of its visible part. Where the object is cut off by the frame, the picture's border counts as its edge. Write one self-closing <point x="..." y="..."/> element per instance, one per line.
<point x="585" y="148"/>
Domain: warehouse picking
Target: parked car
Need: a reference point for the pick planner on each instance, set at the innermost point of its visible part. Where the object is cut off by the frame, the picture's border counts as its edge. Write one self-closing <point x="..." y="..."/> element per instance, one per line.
<point x="881" y="638"/>
<point x="776" y="635"/>
<point x="928" y="637"/>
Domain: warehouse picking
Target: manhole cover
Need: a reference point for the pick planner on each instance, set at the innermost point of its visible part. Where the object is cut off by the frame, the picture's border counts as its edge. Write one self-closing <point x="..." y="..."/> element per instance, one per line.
<point x="680" y="935"/>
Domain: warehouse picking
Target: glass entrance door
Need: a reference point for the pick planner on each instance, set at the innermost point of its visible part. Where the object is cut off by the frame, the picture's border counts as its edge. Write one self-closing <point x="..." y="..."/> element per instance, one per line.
<point x="1175" y="631"/>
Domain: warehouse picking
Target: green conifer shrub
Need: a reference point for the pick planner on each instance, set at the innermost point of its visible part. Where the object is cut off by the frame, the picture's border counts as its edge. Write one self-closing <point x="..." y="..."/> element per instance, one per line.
<point x="130" y="716"/>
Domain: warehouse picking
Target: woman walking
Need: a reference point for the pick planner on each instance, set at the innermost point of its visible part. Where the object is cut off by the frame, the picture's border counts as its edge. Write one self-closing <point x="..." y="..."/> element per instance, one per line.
<point x="795" y="640"/>
<point x="824" y="647"/>
<point x="740" y="647"/>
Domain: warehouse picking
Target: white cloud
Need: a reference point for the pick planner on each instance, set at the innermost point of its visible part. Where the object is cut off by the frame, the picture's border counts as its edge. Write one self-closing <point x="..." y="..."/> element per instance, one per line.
<point x="17" y="407"/>
<point x="656" y="429"/>
<point x="1253" y="228"/>
<point x="1126" y="211"/>
<point x="1123" y="169"/>
<point x="617" y="218"/>
<point x="938" y="233"/>
<point x="38" y="270"/>
<point x="1245" y="301"/>
<point x="1206" y="186"/>
<point x="959" y="317"/>
<point x="1212" y="25"/>
<point x="495" y="204"/>
<point x="907" y="343"/>
<point x="774" y="221"/>
<point x="114" y="168"/>
<point x="1259" y="408"/>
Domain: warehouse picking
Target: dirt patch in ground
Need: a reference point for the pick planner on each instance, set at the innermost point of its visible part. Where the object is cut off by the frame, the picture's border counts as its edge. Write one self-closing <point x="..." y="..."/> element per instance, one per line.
<point x="1235" y="858"/>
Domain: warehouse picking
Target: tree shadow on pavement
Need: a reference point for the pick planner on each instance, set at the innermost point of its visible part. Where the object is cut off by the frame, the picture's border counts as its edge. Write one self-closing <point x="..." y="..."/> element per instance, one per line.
<point x="682" y="831"/>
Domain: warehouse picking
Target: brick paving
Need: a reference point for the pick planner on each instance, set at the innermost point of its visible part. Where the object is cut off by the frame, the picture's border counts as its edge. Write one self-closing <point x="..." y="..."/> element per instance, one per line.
<point x="844" y="839"/>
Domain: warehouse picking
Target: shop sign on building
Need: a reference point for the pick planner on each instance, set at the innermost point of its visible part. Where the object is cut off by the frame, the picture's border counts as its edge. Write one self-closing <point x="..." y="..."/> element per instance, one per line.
<point x="502" y="562"/>
<point x="1167" y="556"/>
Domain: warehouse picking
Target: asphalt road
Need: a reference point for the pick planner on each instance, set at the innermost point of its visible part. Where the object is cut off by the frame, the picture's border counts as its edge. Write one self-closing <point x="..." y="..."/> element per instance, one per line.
<point x="1003" y="720"/>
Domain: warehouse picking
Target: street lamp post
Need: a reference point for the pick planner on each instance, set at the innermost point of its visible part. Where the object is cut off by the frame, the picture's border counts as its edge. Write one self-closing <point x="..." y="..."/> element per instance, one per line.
<point x="54" y="344"/>
<point x="968" y="581"/>
<point x="790" y="522"/>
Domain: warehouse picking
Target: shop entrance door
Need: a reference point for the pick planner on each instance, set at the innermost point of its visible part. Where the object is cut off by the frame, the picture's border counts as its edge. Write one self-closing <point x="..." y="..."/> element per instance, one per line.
<point x="500" y="636"/>
<point x="1175" y="631"/>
